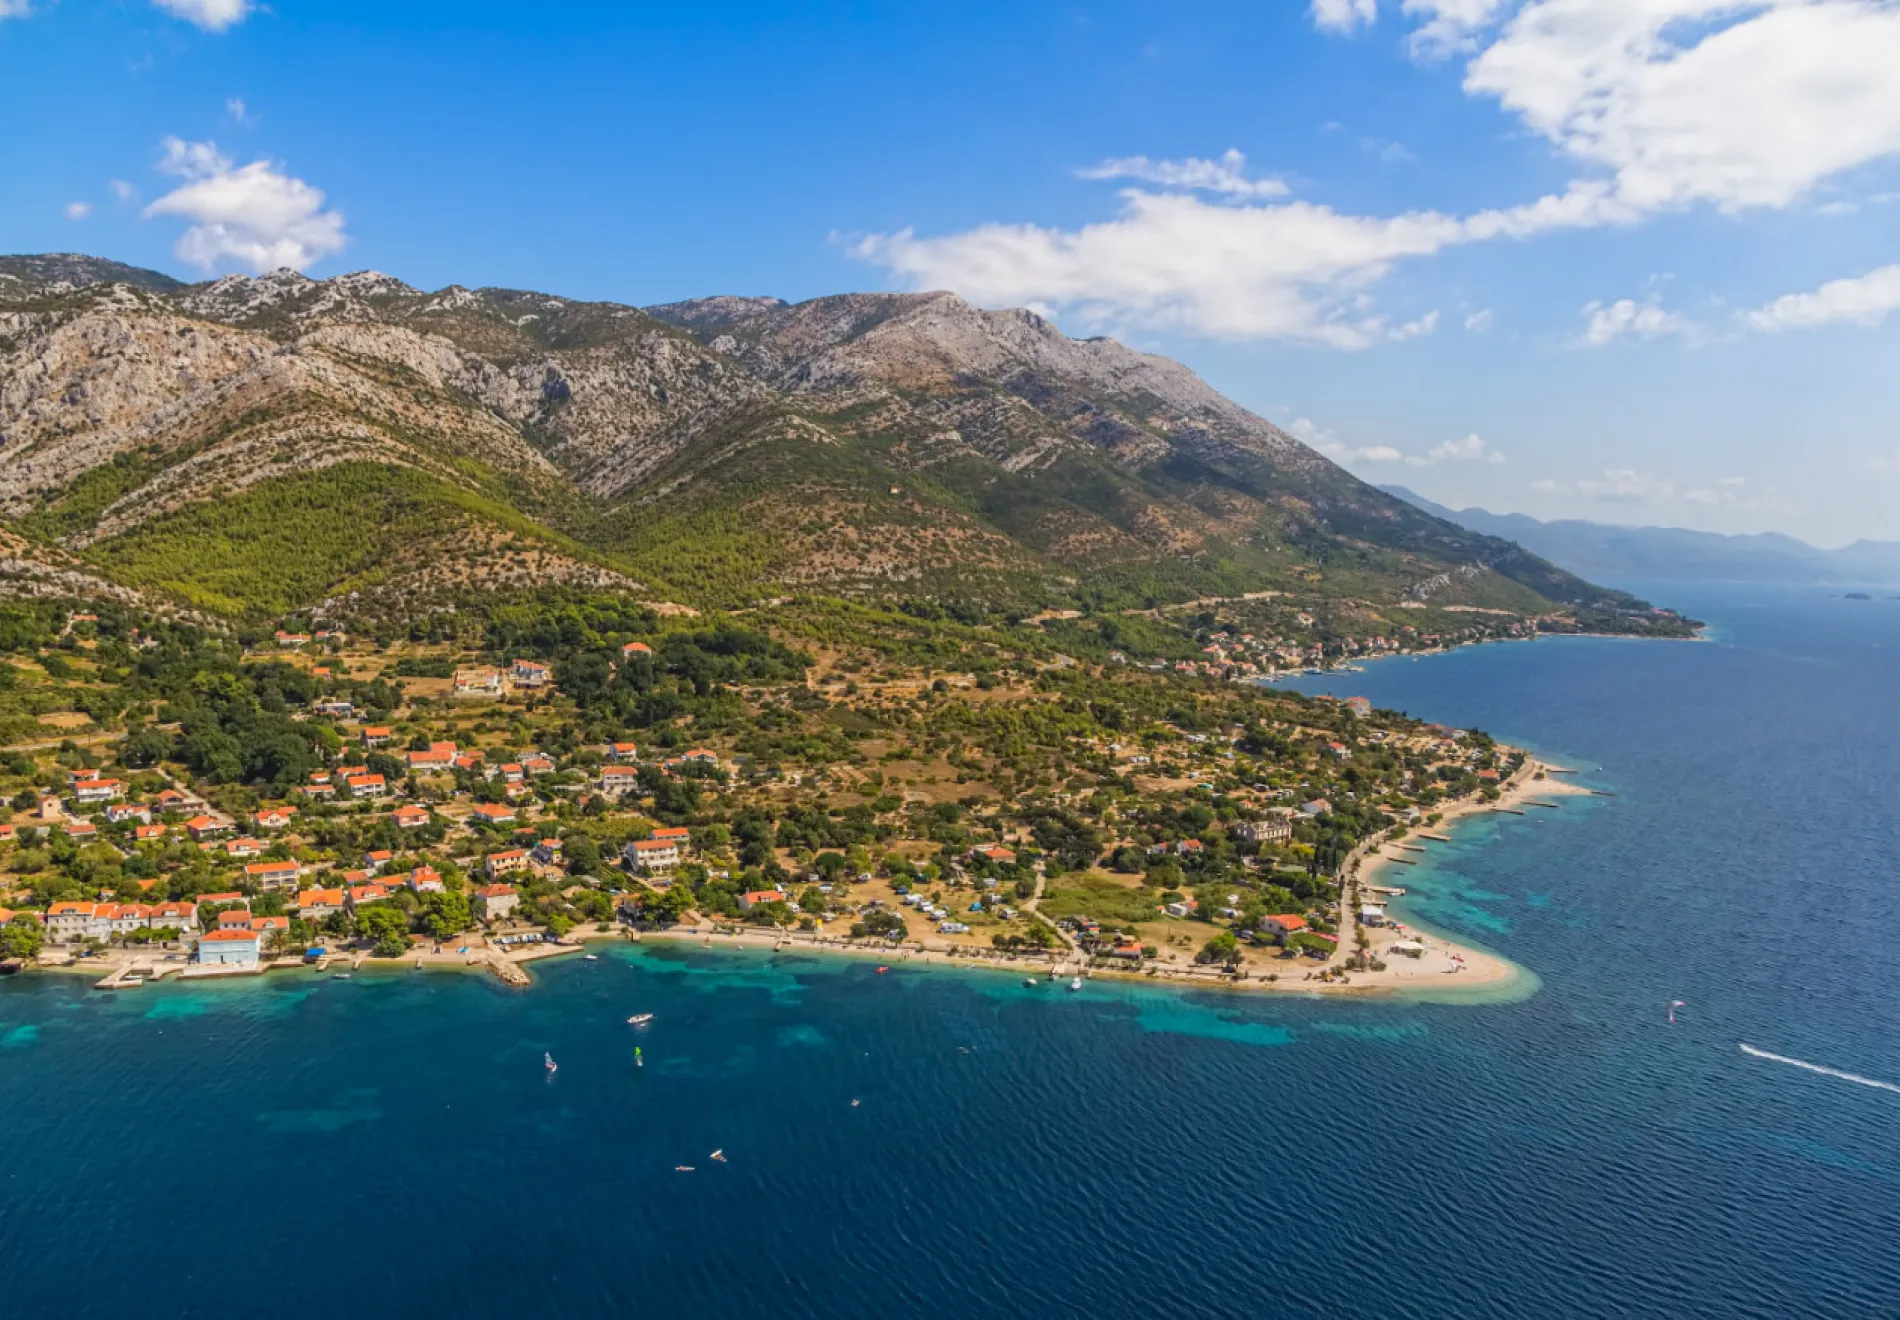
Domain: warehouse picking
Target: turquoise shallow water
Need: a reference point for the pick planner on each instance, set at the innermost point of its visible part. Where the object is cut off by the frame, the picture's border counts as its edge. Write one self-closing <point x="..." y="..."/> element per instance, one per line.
<point x="393" y="1142"/>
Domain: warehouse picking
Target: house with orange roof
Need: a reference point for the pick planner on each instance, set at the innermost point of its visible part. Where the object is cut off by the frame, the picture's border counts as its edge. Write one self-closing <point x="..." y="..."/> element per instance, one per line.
<point x="243" y="847"/>
<point x="230" y="948"/>
<point x="273" y="875"/>
<point x="273" y="818"/>
<point x="377" y="735"/>
<point x="632" y="649"/>
<point x="760" y="897"/>
<point x="375" y="861"/>
<point x="148" y="833"/>
<point x="319" y="788"/>
<point x="425" y="880"/>
<point x="1283" y="925"/>
<point x="439" y="756"/>
<point x="118" y="813"/>
<point x="506" y="862"/>
<point x="651" y="856"/>
<point x="70" y="921"/>
<point x="361" y="894"/>
<point x="620" y="753"/>
<point x="367" y="786"/>
<point x="410" y="817"/>
<point x="89" y="791"/>
<point x="492" y="813"/>
<point x="206" y="827"/>
<point x="81" y="830"/>
<point x="315" y="904"/>
<point x="618" y="780"/>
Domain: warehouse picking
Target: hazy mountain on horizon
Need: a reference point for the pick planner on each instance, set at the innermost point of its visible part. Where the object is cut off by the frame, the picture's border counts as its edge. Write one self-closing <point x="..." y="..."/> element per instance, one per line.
<point x="1606" y="551"/>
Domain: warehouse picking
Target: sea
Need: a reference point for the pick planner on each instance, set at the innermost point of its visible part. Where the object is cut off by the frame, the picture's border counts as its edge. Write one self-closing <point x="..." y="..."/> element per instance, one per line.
<point x="926" y="1143"/>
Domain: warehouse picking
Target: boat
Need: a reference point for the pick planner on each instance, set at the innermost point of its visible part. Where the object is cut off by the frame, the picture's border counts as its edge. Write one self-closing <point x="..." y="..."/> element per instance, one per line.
<point x="719" y="1155"/>
<point x="882" y="970"/>
<point x="854" y="1104"/>
<point x="1075" y="983"/>
<point x="590" y="957"/>
<point x="1029" y="981"/>
<point x="547" y="1061"/>
<point x="339" y="976"/>
<point x="682" y="1168"/>
<point x="639" y="1019"/>
<point x="638" y="1061"/>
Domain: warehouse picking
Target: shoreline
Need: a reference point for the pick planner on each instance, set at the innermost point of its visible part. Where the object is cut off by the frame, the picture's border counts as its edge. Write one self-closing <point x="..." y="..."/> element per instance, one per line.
<point x="1448" y="968"/>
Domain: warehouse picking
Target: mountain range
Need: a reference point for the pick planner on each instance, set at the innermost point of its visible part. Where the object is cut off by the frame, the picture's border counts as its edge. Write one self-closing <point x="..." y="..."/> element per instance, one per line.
<point x="255" y="446"/>
<point x="1665" y="554"/>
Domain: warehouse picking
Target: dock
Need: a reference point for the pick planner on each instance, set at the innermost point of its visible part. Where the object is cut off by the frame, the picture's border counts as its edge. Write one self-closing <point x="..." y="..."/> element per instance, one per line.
<point x="1547" y="806"/>
<point x="1435" y="838"/>
<point x="1557" y="770"/>
<point x="129" y="977"/>
<point x="1408" y="847"/>
<point x="1400" y="861"/>
<point x="1507" y="811"/>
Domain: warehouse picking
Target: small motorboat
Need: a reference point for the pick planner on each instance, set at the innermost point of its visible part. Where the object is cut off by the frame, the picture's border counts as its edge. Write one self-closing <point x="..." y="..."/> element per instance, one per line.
<point x="854" y="1104"/>
<point x="719" y="1155"/>
<point x="1075" y="983"/>
<point x="882" y="970"/>
<point x="1030" y="981"/>
<point x="639" y="1060"/>
<point x="547" y="1061"/>
<point x="639" y="1019"/>
<point x="339" y="976"/>
<point x="590" y="957"/>
<point x="682" y="1168"/>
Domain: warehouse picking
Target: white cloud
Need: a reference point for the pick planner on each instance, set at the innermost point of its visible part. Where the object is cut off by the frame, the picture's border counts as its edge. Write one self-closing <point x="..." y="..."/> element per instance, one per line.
<point x="1294" y="270"/>
<point x="1386" y="150"/>
<point x="1450" y="25"/>
<point x="1861" y="300"/>
<point x="1227" y="175"/>
<point x="1616" y="486"/>
<point x="1738" y="103"/>
<point x="78" y="210"/>
<point x="124" y="191"/>
<point x="1480" y="321"/>
<point x="211" y="15"/>
<point x="252" y="215"/>
<point x="1471" y="449"/>
<point x="1345" y="15"/>
<point x="1629" y="318"/>
<point x="15" y="8"/>
<point x="239" y="112"/>
<point x="1725" y="490"/>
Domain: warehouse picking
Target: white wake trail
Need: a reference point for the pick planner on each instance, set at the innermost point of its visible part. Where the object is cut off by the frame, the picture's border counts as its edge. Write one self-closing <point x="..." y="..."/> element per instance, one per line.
<point x="1817" y="1068"/>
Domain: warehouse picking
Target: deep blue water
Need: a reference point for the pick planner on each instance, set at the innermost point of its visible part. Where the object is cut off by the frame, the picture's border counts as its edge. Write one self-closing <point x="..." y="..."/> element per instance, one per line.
<point x="390" y="1143"/>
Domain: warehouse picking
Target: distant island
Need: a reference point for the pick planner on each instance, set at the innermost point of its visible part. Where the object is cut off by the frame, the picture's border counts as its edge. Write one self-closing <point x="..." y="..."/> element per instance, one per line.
<point x="1665" y="554"/>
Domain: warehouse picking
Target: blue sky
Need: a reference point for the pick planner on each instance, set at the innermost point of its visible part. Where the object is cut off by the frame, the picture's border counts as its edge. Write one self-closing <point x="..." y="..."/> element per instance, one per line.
<point x="1631" y="260"/>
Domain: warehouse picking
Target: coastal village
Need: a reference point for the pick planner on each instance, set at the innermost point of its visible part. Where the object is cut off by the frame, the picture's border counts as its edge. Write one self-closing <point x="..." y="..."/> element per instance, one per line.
<point x="314" y="799"/>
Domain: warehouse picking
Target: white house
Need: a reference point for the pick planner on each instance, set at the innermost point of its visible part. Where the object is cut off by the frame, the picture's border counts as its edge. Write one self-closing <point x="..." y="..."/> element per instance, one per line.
<point x="651" y="856"/>
<point x="230" y="948"/>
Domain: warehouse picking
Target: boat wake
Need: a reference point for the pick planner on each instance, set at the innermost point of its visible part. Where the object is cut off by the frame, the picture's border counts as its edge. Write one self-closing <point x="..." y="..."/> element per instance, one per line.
<point x="1754" y="1053"/>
